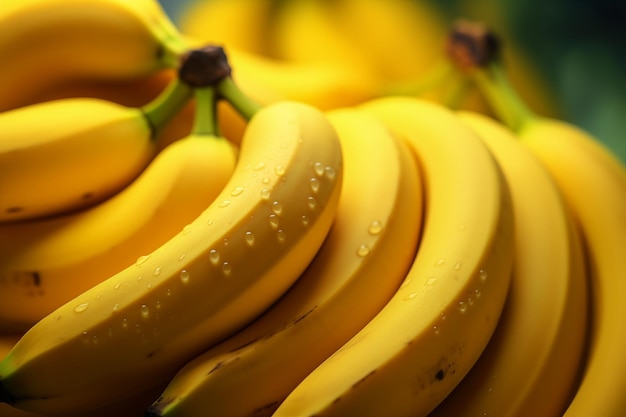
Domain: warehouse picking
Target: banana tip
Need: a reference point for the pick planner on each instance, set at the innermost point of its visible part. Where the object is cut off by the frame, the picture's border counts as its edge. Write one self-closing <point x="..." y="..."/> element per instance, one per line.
<point x="5" y="396"/>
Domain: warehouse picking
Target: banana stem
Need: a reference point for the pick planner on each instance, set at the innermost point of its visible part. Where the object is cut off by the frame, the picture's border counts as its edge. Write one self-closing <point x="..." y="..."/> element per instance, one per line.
<point x="166" y="105"/>
<point x="501" y="96"/>
<point x="244" y="105"/>
<point x="205" y="119"/>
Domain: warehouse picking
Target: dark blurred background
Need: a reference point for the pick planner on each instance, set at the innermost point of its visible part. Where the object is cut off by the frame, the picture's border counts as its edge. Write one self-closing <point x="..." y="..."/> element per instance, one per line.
<point x="579" y="46"/>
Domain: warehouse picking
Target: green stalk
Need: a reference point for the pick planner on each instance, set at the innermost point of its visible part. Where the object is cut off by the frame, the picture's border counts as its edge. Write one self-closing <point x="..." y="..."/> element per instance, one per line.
<point x="205" y="118"/>
<point x="244" y="105"/>
<point x="501" y="96"/>
<point x="160" y="111"/>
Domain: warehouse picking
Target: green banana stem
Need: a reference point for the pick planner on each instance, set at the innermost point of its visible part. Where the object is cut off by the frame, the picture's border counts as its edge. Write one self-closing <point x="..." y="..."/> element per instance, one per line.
<point x="244" y="105"/>
<point x="475" y="51"/>
<point x="205" y="119"/>
<point x="160" y="111"/>
<point x="501" y="96"/>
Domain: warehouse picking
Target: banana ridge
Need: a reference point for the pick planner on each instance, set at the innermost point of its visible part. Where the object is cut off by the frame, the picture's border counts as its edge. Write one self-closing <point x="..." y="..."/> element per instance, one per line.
<point x="433" y="329"/>
<point x="374" y="235"/>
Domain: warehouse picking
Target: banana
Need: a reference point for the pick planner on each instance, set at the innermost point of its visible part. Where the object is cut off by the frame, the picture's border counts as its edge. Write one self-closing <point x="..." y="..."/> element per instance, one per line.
<point x="50" y="42"/>
<point x="68" y="154"/>
<point x="220" y="272"/>
<point x="45" y="263"/>
<point x="374" y="235"/>
<point x="427" y="337"/>
<point x="593" y="183"/>
<point x="532" y="362"/>
<point x="214" y="21"/>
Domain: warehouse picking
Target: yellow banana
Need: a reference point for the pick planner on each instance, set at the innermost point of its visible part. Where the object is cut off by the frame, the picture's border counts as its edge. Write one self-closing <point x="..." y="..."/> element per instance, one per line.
<point x="45" y="263"/>
<point x="374" y="235"/>
<point x="68" y="154"/>
<point x="50" y="42"/>
<point x="593" y="183"/>
<point x="242" y="24"/>
<point x="221" y="271"/>
<point x="426" y="338"/>
<point x="533" y="360"/>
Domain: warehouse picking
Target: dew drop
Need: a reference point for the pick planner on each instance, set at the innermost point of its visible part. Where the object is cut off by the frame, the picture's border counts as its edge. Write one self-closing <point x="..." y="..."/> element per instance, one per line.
<point x="363" y="250"/>
<point x="442" y="316"/>
<point x="227" y="268"/>
<point x="277" y="208"/>
<point x="236" y="191"/>
<point x="145" y="311"/>
<point x="214" y="256"/>
<point x="168" y="292"/>
<point x="184" y="276"/>
<point x="85" y="337"/>
<point x="457" y="266"/>
<point x="99" y="296"/>
<point x="477" y="293"/>
<point x="482" y="274"/>
<point x="116" y="307"/>
<point x="281" y="235"/>
<point x="81" y="307"/>
<point x="375" y="227"/>
<point x="311" y="202"/>
<point x="410" y="296"/>
<point x="226" y="241"/>
<point x="305" y="220"/>
<point x="436" y="329"/>
<point x="470" y="301"/>
<point x="273" y="221"/>
<point x="315" y="185"/>
<point x="139" y="277"/>
<point x="440" y="262"/>
<point x="259" y="166"/>
<point x="157" y="271"/>
<point x="462" y="306"/>
<point x="330" y="173"/>
<point x="318" y="167"/>
<point x="279" y="170"/>
<point x="265" y="180"/>
<point x="249" y="237"/>
<point x="142" y="259"/>
<point x="406" y="282"/>
<point x="125" y="323"/>
<point x="186" y="230"/>
<point x="265" y="193"/>
<point x="157" y="304"/>
<point x="224" y="203"/>
<point x="430" y="282"/>
<point x="181" y="257"/>
<point x="209" y="222"/>
<point x="110" y="331"/>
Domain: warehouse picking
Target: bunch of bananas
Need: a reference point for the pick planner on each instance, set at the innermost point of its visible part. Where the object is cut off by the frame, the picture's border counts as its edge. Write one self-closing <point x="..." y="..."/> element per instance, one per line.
<point x="207" y="221"/>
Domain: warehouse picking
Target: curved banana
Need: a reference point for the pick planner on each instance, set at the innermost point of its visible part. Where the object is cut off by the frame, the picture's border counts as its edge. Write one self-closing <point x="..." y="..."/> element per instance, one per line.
<point x="50" y="42"/>
<point x="68" y="154"/>
<point x="410" y="356"/>
<point x="45" y="263"/>
<point x="221" y="271"/>
<point x="374" y="235"/>
<point x="532" y="362"/>
<point x="593" y="183"/>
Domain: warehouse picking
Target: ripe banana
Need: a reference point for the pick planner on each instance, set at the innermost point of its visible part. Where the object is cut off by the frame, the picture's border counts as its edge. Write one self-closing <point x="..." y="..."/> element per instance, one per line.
<point x="45" y="263"/>
<point x="593" y="183"/>
<point x="374" y="235"/>
<point x="50" y="42"/>
<point x="214" y="21"/>
<point x="68" y="154"/>
<point x="532" y="362"/>
<point x="226" y="267"/>
<point x="427" y="337"/>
